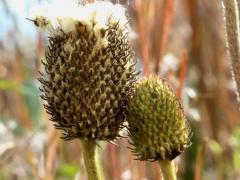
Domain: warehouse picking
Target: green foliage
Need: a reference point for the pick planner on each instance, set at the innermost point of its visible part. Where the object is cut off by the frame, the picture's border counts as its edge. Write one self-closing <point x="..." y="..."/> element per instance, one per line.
<point x="32" y="102"/>
<point x="235" y="142"/>
<point x="30" y="96"/>
<point x="191" y="153"/>
<point x="67" y="171"/>
<point x="215" y="147"/>
<point x="8" y="85"/>
<point x="236" y="160"/>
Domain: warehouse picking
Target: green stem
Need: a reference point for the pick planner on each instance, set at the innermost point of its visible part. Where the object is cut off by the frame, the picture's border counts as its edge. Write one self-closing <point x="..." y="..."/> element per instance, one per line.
<point x="91" y="161"/>
<point x="167" y="169"/>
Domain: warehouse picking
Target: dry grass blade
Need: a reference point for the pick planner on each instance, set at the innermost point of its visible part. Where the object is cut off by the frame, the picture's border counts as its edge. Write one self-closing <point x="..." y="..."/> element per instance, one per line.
<point x="182" y="72"/>
<point x="144" y="42"/>
<point x="167" y="17"/>
<point x="52" y="146"/>
<point x="199" y="161"/>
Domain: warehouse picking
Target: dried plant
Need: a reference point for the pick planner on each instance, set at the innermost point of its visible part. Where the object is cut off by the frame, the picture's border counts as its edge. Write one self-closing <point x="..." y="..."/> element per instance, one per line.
<point x="89" y="73"/>
<point x="231" y="16"/>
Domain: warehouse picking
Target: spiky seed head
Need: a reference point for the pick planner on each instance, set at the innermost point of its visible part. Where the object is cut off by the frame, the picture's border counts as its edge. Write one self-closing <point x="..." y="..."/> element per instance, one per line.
<point x="157" y="125"/>
<point x="89" y="73"/>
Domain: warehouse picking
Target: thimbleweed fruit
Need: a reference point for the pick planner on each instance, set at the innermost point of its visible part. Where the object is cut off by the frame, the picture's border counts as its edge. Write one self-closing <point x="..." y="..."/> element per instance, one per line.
<point x="157" y="124"/>
<point x="89" y="70"/>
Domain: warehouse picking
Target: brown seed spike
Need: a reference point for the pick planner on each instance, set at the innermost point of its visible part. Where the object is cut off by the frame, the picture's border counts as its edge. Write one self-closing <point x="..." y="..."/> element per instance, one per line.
<point x="77" y="82"/>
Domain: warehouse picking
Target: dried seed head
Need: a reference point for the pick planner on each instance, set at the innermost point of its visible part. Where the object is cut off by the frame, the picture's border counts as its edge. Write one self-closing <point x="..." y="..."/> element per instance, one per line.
<point x="157" y="126"/>
<point x="89" y="76"/>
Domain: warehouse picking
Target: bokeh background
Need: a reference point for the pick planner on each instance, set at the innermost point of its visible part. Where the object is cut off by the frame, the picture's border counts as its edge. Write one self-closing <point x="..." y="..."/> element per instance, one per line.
<point x="181" y="41"/>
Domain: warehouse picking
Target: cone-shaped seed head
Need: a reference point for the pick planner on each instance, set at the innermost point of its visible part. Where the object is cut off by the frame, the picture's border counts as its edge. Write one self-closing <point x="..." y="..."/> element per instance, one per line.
<point x="157" y="126"/>
<point x="89" y="72"/>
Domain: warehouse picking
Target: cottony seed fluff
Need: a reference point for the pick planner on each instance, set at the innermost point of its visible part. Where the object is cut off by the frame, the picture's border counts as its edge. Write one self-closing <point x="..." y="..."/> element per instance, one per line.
<point x="89" y="71"/>
<point x="157" y="125"/>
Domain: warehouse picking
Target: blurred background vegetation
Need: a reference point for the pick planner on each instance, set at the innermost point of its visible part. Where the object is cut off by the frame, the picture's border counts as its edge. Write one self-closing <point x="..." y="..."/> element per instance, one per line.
<point x="181" y="41"/>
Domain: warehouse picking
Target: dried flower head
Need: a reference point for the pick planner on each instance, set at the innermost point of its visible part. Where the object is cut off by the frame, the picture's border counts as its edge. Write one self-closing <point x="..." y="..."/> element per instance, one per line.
<point x="157" y="125"/>
<point x="89" y="69"/>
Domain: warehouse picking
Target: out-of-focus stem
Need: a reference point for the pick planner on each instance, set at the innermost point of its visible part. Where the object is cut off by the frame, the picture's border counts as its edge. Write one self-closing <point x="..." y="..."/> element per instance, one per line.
<point x="231" y="17"/>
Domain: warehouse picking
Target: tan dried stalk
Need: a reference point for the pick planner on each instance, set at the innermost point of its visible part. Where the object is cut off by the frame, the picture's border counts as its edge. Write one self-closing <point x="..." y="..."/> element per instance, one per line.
<point x="231" y="17"/>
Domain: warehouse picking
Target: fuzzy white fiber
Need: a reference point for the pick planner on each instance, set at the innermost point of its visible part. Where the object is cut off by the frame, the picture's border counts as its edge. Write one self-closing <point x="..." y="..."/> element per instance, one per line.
<point x="65" y="14"/>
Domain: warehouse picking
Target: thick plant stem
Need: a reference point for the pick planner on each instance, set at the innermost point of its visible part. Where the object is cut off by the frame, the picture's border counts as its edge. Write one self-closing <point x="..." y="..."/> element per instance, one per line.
<point x="91" y="160"/>
<point x="167" y="169"/>
<point x="231" y="16"/>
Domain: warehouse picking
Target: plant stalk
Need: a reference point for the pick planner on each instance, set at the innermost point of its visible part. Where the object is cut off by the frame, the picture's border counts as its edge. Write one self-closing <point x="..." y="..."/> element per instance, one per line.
<point x="231" y="17"/>
<point x="167" y="169"/>
<point x="91" y="161"/>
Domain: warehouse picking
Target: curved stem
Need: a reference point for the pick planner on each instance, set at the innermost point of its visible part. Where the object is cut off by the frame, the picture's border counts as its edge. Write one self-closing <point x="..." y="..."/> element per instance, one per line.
<point x="92" y="165"/>
<point x="167" y="169"/>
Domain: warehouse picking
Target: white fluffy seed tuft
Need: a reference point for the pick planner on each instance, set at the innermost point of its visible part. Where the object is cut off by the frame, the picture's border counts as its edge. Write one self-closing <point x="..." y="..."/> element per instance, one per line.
<point x="64" y="16"/>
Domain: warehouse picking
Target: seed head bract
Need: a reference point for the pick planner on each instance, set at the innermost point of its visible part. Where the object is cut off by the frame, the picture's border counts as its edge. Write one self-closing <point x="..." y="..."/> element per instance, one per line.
<point x="89" y="68"/>
<point x="157" y="125"/>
